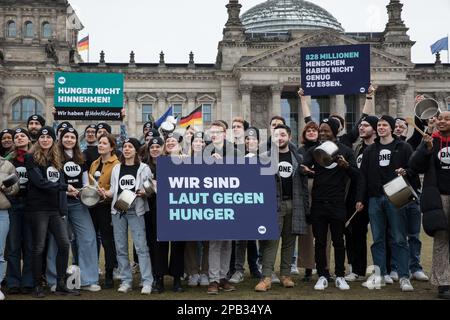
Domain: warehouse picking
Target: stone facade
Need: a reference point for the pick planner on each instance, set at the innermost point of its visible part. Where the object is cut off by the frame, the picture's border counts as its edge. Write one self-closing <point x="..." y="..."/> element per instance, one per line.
<point x="250" y="78"/>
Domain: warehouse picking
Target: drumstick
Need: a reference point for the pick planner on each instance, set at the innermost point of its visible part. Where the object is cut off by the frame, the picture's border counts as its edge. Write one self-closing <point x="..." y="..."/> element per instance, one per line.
<point x="349" y="220"/>
<point x="411" y="122"/>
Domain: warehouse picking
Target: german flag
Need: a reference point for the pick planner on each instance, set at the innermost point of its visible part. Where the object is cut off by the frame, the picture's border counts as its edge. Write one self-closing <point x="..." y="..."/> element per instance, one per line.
<point x="194" y="118"/>
<point x="83" y="44"/>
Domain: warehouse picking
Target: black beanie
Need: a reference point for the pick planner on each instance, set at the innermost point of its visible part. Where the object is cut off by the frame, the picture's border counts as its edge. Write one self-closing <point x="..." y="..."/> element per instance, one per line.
<point x="47" y="130"/>
<point x="21" y="130"/>
<point x="389" y="120"/>
<point x="135" y="142"/>
<point x="68" y="130"/>
<point x="147" y="125"/>
<point x="156" y="140"/>
<point x="3" y="132"/>
<point x="402" y="119"/>
<point x="198" y="135"/>
<point x="152" y="133"/>
<point x="333" y="123"/>
<point x="104" y="125"/>
<point x="36" y="117"/>
<point x="175" y="135"/>
<point x="372" y="120"/>
<point x="252" y="132"/>
<point x="91" y="126"/>
<point x="64" y="125"/>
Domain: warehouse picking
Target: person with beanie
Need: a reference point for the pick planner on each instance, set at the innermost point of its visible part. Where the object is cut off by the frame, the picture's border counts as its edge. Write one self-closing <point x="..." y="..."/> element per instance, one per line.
<point x="383" y="161"/>
<point x="19" y="278"/>
<point x="6" y="143"/>
<point x="46" y="206"/>
<point x="91" y="151"/>
<point x="328" y="211"/>
<point x="130" y="174"/>
<point x="34" y="123"/>
<point x="63" y="125"/>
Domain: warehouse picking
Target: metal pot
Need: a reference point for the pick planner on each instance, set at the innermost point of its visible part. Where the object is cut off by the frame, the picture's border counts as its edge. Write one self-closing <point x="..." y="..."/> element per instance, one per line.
<point x="89" y="196"/>
<point x="399" y="192"/>
<point x="125" y="201"/>
<point x="426" y="109"/>
<point x="326" y="153"/>
<point x="10" y="180"/>
<point x="149" y="187"/>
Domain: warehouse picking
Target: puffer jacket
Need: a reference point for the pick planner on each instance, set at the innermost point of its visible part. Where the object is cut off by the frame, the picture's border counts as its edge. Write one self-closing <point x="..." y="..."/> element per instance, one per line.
<point x="7" y="169"/>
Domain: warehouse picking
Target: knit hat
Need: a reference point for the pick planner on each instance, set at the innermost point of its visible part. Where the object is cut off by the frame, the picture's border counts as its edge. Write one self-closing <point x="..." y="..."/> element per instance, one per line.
<point x="147" y="125"/>
<point x="24" y="131"/>
<point x="156" y="140"/>
<point x="47" y="131"/>
<point x="3" y="132"/>
<point x="198" y="135"/>
<point x="135" y="142"/>
<point x="69" y="130"/>
<point x="389" y="120"/>
<point x="175" y="135"/>
<point x="91" y="126"/>
<point x="372" y="120"/>
<point x="104" y="125"/>
<point x="152" y="133"/>
<point x="333" y="123"/>
<point x="252" y="132"/>
<point x="36" y="117"/>
<point x="64" y="125"/>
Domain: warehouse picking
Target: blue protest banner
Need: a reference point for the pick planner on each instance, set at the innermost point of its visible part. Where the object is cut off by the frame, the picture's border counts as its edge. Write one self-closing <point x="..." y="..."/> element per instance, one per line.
<point x="335" y="70"/>
<point x="215" y="202"/>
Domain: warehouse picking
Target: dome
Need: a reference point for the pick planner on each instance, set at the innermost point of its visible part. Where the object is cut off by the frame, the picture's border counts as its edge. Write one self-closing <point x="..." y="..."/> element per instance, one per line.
<point x="286" y="15"/>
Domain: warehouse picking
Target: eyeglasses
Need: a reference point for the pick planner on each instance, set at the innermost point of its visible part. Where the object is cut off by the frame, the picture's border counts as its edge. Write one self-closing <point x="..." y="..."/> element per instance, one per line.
<point x="216" y="132"/>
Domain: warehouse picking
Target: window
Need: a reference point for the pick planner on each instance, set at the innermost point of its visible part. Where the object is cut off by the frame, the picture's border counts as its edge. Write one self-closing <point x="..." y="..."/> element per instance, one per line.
<point x="147" y="111"/>
<point x="351" y="112"/>
<point x="29" y="29"/>
<point x="24" y="107"/>
<point x="11" y="32"/>
<point x="177" y="111"/>
<point x="320" y="108"/>
<point x="289" y="111"/>
<point x="46" y="30"/>
<point x="207" y="113"/>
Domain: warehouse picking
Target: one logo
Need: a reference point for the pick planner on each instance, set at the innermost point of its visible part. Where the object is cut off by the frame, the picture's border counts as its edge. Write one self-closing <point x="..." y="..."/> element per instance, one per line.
<point x="155" y="141"/>
<point x="35" y="117"/>
<point x="285" y="169"/>
<point x="385" y="157"/>
<point x="45" y="131"/>
<point x="359" y="160"/>
<point x="61" y="80"/>
<point x="127" y="182"/>
<point x="251" y="132"/>
<point x="444" y="155"/>
<point x="52" y="174"/>
<point x="362" y="90"/>
<point x="262" y="230"/>
<point x="22" y="174"/>
<point x="71" y="169"/>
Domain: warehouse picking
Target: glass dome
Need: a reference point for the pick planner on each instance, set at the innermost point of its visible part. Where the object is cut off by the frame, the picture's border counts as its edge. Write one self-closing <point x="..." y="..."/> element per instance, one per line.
<point x="274" y="16"/>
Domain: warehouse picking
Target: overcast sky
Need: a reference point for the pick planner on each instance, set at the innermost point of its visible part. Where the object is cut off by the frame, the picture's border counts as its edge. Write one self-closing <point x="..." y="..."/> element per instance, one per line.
<point x="180" y="26"/>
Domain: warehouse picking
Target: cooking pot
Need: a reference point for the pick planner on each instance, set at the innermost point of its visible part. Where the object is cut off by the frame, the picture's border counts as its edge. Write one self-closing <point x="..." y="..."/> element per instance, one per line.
<point x="125" y="201"/>
<point x="149" y="187"/>
<point x="326" y="153"/>
<point x="10" y="180"/>
<point x="89" y="196"/>
<point x="399" y="192"/>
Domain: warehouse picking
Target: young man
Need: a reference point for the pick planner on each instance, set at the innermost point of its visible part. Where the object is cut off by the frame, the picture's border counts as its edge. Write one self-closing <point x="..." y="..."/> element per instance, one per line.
<point x="382" y="162"/>
<point x="91" y="151"/>
<point x="328" y="211"/>
<point x="34" y="123"/>
<point x="293" y="206"/>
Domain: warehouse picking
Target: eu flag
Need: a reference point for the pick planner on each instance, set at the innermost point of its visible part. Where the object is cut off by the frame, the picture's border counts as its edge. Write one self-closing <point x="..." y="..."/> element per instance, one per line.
<point x="440" y="45"/>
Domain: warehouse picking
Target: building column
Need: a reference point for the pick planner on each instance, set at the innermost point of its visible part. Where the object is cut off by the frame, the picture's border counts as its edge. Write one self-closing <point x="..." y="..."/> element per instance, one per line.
<point x="49" y="105"/>
<point x="131" y="113"/>
<point x="162" y="96"/>
<point x="340" y="108"/>
<point x="191" y="96"/>
<point x="276" y="99"/>
<point x="217" y="110"/>
<point x="400" y="91"/>
<point x="392" y="101"/>
<point x="245" y="91"/>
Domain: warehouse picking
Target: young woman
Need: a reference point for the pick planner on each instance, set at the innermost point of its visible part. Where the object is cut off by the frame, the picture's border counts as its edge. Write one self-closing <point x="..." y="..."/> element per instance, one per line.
<point x="46" y="206"/>
<point x="6" y="143"/>
<point x="75" y="174"/>
<point x="101" y="170"/>
<point x="130" y="175"/>
<point x="19" y="277"/>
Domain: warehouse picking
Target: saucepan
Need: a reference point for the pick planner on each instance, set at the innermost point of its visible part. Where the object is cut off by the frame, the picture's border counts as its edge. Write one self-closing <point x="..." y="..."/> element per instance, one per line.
<point x="125" y="201"/>
<point x="89" y="196"/>
<point x="399" y="192"/>
<point x="326" y="153"/>
<point x="149" y="187"/>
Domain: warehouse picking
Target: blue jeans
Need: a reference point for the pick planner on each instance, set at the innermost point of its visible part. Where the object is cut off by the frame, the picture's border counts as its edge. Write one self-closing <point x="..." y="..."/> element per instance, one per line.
<point x="86" y="238"/>
<point x="4" y="228"/>
<point x="414" y="222"/>
<point x="382" y="210"/>
<point x="19" y="247"/>
<point x="137" y="227"/>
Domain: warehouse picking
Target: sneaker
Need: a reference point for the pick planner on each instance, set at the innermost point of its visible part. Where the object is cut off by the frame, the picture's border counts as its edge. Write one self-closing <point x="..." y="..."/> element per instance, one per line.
<point x="116" y="274"/>
<point x="194" y="280"/>
<point x="264" y="285"/>
<point x="420" y="276"/>
<point x="135" y="268"/>
<point x="213" y="288"/>
<point x="124" y="288"/>
<point x="388" y="279"/>
<point x="2" y="296"/>
<point x="287" y="282"/>
<point x="405" y="285"/>
<point x="394" y="275"/>
<point x="39" y="292"/>
<point x="341" y="284"/>
<point x="92" y="288"/>
<point x="226" y="286"/>
<point x="374" y="282"/>
<point x="53" y="288"/>
<point x="204" y="280"/>
<point x="146" y="290"/>
<point x="275" y="278"/>
<point x="237" y="277"/>
<point x="321" y="284"/>
<point x="352" y="277"/>
<point x="294" y="270"/>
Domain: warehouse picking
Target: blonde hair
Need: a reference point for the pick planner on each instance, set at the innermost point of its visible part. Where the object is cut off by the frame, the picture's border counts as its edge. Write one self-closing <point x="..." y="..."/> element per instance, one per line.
<point x="52" y="157"/>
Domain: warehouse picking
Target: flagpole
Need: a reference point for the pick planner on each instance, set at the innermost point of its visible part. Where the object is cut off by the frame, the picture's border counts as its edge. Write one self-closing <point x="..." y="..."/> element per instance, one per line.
<point x="448" y="51"/>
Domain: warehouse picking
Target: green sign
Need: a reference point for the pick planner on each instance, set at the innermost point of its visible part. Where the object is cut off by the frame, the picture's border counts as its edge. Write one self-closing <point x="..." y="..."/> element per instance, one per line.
<point x="89" y="90"/>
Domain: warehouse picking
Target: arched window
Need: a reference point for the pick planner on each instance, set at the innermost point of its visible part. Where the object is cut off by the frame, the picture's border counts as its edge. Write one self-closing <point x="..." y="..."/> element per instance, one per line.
<point x="24" y="107"/>
<point x="46" y="30"/>
<point x="11" y="31"/>
<point x="29" y="33"/>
